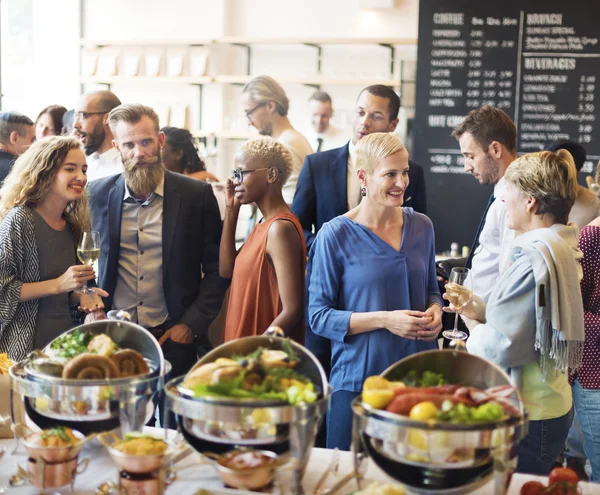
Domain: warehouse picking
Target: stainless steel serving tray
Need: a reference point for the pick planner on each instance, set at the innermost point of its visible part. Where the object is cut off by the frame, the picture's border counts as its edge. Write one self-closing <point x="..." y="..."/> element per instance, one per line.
<point x="438" y="457"/>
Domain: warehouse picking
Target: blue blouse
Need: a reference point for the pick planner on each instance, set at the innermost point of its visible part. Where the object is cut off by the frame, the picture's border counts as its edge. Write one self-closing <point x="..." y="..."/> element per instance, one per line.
<point x="354" y="270"/>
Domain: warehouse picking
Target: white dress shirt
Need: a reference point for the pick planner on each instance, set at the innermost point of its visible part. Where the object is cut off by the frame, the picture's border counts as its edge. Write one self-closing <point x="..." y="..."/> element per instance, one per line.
<point x="492" y="255"/>
<point x="108" y="163"/>
<point x="299" y="147"/>
<point x="333" y="137"/>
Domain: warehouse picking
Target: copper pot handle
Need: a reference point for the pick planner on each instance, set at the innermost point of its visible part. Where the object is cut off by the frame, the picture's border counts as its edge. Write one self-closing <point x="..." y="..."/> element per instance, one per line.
<point x="108" y="439"/>
<point x="82" y="466"/>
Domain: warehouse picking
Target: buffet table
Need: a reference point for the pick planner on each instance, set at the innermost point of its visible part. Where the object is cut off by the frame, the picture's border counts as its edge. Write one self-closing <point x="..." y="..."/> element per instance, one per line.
<point x="193" y="474"/>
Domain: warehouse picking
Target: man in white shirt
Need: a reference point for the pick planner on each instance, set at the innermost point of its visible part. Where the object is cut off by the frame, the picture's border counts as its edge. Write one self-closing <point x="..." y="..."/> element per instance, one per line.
<point x="266" y="106"/>
<point x="91" y="127"/>
<point x="324" y="135"/>
<point x="488" y="141"/>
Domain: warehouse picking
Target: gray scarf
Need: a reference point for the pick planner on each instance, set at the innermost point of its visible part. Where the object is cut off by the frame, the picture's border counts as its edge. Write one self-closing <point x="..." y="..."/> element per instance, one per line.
<point x="554" y="257"/>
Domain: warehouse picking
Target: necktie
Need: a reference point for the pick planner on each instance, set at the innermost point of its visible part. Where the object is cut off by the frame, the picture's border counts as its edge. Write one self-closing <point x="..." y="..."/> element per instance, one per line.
<point x="319" y="144"/>
<point x="475" y="244"/>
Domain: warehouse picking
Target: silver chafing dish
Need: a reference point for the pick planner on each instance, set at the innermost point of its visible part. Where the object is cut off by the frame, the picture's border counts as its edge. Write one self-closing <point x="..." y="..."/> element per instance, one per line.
<point x="436" y="457"/>
<point x="219" y="425"/>
<point x="93" y="405"/>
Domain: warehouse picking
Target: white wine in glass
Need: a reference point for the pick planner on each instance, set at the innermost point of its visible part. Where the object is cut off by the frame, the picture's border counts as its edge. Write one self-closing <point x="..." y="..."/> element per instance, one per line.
<point x="88" y="252"/>
<point x="459" y="293"/>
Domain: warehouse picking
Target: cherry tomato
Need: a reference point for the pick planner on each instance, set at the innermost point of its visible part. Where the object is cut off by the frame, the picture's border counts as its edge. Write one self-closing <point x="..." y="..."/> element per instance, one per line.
<point x="561" y="488"/>
<point x="532" y="488"/>
<point x="563" y="474"/>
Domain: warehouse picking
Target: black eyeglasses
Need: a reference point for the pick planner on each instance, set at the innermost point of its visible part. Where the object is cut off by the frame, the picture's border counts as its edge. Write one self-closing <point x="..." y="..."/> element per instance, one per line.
<point x="250" y="112"/>
<point x="86" y="115"/>
<point x="239" y="174"/>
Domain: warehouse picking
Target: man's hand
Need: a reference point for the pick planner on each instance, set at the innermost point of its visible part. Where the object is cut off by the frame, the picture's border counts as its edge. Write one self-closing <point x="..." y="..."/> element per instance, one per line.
<point x="180" y="333"/>
<point x="92" y="302"/>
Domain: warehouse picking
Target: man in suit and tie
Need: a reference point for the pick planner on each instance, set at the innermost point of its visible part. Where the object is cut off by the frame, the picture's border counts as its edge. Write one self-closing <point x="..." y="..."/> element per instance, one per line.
<point x="328" y="185"/>
<point x="324" y="135"/>
<point x="159" y="234"/>
<point x="488" y="142"/>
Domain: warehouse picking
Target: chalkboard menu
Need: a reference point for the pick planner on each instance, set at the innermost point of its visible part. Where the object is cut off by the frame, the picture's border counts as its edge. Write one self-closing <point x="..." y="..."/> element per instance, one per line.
<point x="538" y="60"/>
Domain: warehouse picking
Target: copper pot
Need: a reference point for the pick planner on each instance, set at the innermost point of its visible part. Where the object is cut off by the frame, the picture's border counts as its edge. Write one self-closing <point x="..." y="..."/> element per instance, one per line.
<point x="54" y="474"/>
<point x="54" y="454"/>
<point x="135" y="464"/>
<point x="252" y="478"/>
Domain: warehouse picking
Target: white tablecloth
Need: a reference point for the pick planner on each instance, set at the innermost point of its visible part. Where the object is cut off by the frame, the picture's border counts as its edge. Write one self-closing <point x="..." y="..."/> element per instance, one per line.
<point x="193" y="475"/>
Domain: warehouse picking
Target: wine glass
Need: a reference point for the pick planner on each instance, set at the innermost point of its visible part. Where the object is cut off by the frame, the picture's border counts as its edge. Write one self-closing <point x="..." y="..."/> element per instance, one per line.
<point x="88" y="252"/>
<point x="459" y="291"/>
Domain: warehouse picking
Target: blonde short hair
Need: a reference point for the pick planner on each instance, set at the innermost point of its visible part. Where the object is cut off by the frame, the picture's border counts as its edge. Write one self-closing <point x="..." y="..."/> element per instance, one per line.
<point x="550" y="178"/>
<point x="131" y="113"/>
<point x="373" y="148"/>
<point x="269" y="153"/>
<point x="263" y="89"/>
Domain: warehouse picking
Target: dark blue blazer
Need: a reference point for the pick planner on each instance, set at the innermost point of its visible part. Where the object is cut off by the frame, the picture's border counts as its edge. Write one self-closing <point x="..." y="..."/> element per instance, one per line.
<point x="322" y="190"/>
<point x="191" y="235"/>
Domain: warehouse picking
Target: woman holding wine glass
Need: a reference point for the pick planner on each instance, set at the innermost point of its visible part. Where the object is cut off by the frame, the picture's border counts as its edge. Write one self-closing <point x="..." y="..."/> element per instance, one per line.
<point x="533" y="322"/>
<point x="43" y="218"/>
<point x="373" y="287"/>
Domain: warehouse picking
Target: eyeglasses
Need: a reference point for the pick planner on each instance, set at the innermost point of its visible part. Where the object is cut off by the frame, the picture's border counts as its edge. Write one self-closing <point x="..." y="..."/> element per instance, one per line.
<point x="86" y="115"/>
<point x="250" y="112"/>
<point x="239" y="174"/>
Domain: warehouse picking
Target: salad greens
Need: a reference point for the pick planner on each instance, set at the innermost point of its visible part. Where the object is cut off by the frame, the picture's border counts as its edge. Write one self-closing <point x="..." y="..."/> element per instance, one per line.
<point x="427" y="379"/>
<point x="71" y="344"/>
<point x="462" y="414"/>
<point x="279" y="384"/>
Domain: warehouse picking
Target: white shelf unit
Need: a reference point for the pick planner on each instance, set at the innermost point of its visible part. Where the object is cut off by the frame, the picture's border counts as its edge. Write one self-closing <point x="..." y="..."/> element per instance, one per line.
<point x="317" y="81"/>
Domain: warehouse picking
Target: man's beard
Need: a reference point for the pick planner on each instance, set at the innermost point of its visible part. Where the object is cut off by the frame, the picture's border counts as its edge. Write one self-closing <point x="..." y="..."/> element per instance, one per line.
<point x="491" y="173"/>
<point x="267" y="130"/>
<point x="142" y="176"/>
<point x="94" y="139"/>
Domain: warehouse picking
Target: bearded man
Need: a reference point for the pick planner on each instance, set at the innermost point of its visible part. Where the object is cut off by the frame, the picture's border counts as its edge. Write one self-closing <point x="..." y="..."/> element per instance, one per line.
<point x="159" y="236"/>
<point x="91" y="128"/>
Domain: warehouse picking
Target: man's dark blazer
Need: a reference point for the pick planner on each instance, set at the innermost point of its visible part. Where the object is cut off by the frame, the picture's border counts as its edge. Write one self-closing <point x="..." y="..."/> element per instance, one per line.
<point x="322" y="190"/>
<point x="191" y="235"/>
<point x="6" y="162"/>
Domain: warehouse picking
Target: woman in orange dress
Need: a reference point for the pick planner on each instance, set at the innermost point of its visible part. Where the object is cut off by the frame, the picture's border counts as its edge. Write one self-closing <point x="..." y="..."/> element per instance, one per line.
<point x="267" y="273"/>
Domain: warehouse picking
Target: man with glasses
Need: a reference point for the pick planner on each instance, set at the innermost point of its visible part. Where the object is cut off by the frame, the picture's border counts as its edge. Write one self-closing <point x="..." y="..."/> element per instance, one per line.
<point x="266" y="107"/>
<point x="91" y="127"/>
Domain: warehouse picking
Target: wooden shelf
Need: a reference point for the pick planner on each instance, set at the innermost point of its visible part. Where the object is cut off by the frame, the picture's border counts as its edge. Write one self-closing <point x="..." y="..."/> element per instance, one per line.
<point x="238" y="79"/>
<point x="87" y="43"/>
<point x="145" y="79"/>
<point x="315" y="41"/>
<point x="230" y="40"/>
<point x="243" y="136"/>
<point x="317" y="81"/>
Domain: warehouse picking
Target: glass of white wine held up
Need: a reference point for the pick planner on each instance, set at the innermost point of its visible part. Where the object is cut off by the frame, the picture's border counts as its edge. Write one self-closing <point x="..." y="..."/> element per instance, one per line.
<point x="459" y="291"/>
<point x="88" y="252"/>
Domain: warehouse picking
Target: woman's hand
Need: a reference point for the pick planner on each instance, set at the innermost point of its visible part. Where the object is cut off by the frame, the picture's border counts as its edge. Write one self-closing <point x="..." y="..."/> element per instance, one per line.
<point x="92" y="302"/>
<point x="74" y="278"/>
<point x="435" y="312"/>
<point x="474" y="310"/>
<point x="231" y="200"/>
<point x="408" y="324"/>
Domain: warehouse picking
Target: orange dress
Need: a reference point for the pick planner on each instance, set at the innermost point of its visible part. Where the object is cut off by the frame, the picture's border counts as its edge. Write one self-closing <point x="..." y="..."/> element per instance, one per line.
<point x="254" y="300"/>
